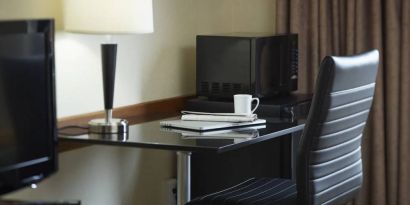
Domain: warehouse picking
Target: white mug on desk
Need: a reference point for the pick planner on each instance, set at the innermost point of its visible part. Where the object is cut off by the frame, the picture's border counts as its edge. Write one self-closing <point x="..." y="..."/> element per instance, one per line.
<point x="243" y="104"/>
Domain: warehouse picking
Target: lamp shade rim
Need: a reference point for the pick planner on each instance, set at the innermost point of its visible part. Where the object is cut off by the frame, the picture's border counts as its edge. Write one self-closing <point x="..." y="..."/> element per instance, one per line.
<point x="108" y="32"/>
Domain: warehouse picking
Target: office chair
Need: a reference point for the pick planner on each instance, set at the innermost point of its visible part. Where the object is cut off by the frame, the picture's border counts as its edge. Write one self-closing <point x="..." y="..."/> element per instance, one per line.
<point x="329" y="164"/>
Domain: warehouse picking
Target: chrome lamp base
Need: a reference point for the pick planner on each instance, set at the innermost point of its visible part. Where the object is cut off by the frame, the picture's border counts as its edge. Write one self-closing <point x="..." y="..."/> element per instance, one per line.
<point x="113" y="126"/>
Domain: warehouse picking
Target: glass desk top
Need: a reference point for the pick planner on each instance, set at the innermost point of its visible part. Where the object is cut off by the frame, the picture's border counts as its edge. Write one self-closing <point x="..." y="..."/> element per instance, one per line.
<point x="152" y="135"/>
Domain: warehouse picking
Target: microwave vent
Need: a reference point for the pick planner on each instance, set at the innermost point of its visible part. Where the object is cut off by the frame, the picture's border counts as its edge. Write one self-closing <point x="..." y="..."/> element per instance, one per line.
<point x="226" y="87"/>
<point x="215" y="88"/>
<point x="294" y="61"/>
<point x="237" y="88"/>
<point x="204" y="87"/>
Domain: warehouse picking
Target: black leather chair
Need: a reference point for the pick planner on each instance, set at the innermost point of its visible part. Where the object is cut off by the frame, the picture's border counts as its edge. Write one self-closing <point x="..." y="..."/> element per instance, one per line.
<point x="329" y="164"/>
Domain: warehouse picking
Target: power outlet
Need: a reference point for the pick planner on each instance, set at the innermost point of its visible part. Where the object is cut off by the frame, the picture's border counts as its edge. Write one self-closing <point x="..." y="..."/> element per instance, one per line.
<point x="171" y="191"/>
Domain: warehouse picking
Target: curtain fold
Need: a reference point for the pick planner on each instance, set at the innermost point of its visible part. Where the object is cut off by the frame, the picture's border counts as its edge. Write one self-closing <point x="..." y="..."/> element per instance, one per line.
<point x="345" y="27"/>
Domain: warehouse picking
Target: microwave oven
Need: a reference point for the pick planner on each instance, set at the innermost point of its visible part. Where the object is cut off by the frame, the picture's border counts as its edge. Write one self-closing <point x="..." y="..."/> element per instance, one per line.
<point x="244" y="63"/>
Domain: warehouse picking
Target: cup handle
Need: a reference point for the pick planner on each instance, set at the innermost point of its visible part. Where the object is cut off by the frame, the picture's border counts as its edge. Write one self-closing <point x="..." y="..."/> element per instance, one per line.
<point x="257" y="104"/>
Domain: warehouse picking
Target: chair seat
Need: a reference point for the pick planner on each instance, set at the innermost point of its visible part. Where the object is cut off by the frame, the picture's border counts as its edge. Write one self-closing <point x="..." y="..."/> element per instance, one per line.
<point x="262" y="191"/>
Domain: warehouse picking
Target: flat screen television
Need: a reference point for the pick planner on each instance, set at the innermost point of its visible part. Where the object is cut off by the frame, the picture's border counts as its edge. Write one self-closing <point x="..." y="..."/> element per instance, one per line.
<point x="27" y="103"/>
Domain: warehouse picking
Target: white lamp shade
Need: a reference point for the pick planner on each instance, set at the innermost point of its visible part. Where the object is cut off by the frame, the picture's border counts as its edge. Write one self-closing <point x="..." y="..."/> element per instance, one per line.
<point x="108" y="16"/>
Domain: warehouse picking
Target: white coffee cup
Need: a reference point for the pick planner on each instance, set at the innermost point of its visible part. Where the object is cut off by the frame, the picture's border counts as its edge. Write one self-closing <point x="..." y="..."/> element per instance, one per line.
<point x="243" y="104"/>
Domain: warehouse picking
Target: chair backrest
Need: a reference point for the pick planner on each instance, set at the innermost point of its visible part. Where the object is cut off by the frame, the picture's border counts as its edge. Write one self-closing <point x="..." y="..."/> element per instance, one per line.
<point x="329" y="166"/>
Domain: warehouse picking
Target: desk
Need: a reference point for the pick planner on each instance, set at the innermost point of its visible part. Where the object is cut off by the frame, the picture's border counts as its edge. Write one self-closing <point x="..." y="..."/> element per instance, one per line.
<point x="150" y="135"/>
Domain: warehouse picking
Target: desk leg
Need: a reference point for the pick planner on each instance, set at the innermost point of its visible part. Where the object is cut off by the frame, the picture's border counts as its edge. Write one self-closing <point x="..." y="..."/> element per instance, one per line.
<point x="296" y="137"/>
<point x="184" y="177"/>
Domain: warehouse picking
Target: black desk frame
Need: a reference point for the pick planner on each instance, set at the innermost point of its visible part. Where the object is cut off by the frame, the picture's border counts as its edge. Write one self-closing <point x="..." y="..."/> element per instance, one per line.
<point x="183" y="151"/>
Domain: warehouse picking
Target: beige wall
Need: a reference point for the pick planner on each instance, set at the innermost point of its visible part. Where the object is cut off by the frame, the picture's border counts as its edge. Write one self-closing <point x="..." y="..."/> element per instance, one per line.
<point x="26" y="9"/>
<point x="150" y="67"/>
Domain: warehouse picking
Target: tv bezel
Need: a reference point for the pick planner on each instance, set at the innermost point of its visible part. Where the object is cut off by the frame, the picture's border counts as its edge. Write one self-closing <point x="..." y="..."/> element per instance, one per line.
<point x="39" y="170"/>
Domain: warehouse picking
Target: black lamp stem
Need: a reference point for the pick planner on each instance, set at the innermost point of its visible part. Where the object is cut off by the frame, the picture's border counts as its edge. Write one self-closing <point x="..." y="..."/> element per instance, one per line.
<point x="108" y="125"/>
<point x="109" y="60"/>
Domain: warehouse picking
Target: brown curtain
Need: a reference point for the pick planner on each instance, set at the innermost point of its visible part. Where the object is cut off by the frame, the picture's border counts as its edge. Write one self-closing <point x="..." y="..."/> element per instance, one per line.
<point x="343" y="27"/>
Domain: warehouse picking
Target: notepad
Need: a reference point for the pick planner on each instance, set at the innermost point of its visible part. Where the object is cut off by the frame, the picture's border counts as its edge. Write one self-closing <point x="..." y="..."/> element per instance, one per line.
<point x="237" y="133"/>
<point x="207" y="125"/>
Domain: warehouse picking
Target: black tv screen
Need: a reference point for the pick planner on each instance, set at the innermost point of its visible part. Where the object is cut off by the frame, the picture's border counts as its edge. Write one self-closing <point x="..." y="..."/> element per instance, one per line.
<point x="27" y="103"/>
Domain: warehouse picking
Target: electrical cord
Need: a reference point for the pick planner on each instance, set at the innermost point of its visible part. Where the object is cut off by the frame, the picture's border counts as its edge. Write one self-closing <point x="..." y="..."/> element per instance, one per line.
<point x="73" y="130"/>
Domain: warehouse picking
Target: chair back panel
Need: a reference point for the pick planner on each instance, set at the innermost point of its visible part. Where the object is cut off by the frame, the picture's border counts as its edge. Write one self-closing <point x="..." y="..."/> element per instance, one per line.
<point x="329" y="169"/>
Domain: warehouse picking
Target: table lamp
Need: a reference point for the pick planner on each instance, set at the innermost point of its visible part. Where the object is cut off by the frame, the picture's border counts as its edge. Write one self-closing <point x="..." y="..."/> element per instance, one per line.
<point x="108" y="17"/>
